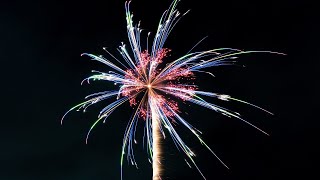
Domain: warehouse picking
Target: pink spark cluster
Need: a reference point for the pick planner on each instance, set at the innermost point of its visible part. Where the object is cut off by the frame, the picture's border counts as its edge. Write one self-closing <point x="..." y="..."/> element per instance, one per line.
<point x="147" y="77"/>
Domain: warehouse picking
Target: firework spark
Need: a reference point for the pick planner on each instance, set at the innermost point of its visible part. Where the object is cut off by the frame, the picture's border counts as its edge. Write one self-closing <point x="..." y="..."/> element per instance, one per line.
<point x="155" y="88"/>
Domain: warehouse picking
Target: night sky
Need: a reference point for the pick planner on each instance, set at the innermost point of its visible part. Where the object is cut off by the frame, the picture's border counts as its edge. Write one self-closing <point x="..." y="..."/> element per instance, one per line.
<point x="41" y="69"/>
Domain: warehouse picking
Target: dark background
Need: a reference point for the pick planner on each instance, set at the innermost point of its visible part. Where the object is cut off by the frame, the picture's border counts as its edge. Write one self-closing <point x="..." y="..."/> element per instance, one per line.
<point x="41" y="70"/>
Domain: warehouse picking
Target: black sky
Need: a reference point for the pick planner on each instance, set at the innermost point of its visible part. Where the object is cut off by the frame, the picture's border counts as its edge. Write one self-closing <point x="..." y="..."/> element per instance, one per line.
<point x="41" y="43"/>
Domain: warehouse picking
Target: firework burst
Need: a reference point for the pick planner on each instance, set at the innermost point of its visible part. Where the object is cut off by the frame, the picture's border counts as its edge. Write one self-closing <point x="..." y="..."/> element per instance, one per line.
<point x="155" y="88"/>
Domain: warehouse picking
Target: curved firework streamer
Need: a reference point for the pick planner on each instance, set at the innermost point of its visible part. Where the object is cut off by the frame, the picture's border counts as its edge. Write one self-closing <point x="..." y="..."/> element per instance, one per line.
<point x="142" y="75"/>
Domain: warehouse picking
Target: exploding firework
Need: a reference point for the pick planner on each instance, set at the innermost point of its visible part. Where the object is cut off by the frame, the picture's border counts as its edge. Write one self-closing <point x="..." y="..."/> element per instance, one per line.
<point x="155" y="88"/>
